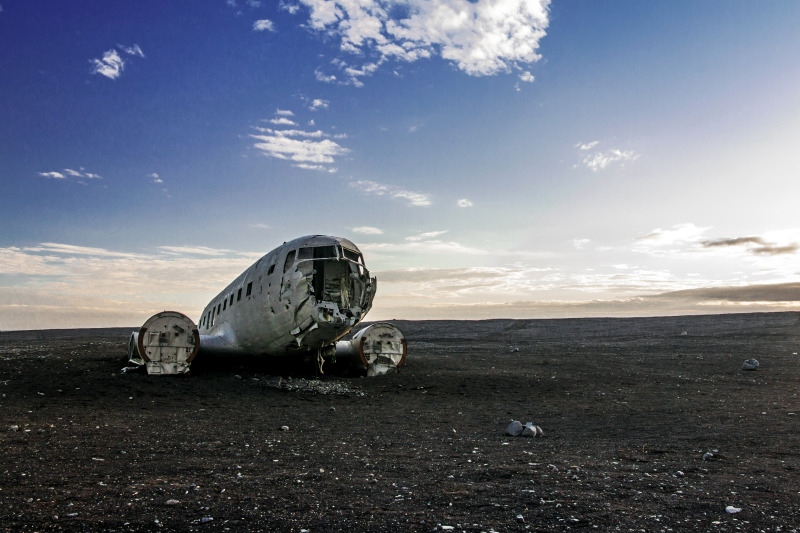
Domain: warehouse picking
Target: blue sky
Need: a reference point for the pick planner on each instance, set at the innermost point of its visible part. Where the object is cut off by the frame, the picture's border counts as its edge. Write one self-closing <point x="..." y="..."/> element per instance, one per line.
<point x="492" y="158"/>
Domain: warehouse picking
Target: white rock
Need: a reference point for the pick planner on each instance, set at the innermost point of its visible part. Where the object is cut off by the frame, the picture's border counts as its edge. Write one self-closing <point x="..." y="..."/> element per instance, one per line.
<point x="733" y="510"/>
<point x="514" y="428"/>
<point x="750" y="364"/>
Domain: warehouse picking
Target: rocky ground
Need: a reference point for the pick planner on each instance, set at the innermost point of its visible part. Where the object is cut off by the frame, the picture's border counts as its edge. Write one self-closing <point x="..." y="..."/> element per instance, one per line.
<point x="650" y="425"/>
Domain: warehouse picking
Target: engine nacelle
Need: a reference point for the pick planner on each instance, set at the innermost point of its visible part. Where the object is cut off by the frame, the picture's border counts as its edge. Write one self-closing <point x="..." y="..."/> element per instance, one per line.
<point x="166" y="343"/>
<point x="379" y="348"/>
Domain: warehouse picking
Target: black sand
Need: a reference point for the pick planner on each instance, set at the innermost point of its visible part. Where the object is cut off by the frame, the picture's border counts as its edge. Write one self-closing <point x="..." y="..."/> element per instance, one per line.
<point x="629" y="408"/>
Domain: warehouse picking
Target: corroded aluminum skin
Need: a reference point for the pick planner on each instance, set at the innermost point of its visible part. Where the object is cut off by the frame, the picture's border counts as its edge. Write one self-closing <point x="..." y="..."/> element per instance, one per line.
<point x="282" y="315"/>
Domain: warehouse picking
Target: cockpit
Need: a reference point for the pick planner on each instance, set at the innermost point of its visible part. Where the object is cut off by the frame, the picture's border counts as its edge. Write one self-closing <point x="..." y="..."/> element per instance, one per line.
<point x="335" y="274"/>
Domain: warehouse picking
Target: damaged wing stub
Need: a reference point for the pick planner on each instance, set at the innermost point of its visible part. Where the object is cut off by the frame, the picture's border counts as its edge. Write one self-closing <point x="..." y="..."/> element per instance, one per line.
<point x="165" y="344"/>
<point x="379" y="348"/>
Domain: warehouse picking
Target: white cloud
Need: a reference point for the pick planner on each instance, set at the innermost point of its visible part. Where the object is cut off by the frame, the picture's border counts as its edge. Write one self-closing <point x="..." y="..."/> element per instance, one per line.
<point x="63" y="285"/>
<point x="367" y="230"/>
<point x="111" y="64"/>
<point x="82" y="175"/>
<point x="196" y="250"/>
<point x="54" y="175"/>
<point x="282" y="121"/>
<point x="426" y="236"/>
<point x="480" y="38"/>
<point x="310" y="150"/>
<point x="580" y="243"/>
<point x="134" y="50"/>
<point x="526" y="77"/>
<point x="318" y="103"/>
<point x="679" y="234"/>
<point x="379" y="189"/>
<point x="463" y="202"/>
<point x="600" y="160"/>
<point x="264" y="24"/>
<point x="299" y="150"/>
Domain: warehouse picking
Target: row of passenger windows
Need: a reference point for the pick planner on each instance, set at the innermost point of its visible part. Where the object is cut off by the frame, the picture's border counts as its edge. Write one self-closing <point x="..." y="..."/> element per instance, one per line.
<point x="210" y="317"/>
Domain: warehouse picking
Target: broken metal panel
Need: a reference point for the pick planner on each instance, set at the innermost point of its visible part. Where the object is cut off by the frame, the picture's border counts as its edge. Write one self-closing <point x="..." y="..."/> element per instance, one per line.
<point x="167" y="343"/>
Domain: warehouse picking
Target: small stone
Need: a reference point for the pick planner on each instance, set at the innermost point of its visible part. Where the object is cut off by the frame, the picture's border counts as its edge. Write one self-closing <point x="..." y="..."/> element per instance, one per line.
<point x="733" y="510"/>
<point x="173" y="502"/>
<point x="206" y="520"/>
<point x="708" y="456"/>
<point x="514" y="428"/>
<point x="284" y="428"/>
<point x="750" y="364"/>
<point x="530" y="430"/>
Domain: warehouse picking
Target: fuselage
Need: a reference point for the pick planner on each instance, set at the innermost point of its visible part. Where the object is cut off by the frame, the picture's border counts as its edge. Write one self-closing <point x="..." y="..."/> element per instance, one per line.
<point x="300" y="297"/>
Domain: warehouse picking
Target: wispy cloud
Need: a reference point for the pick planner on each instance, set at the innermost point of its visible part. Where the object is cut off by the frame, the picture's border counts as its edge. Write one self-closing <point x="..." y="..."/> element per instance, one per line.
<point x="367" y="230"/>
<point x="679" y="234"/>
<point x="480" y="38"/>
<point x="755" y="245"/>
<point x="282" y="121"/>
<point x="64" y="285"/>
<point x="599" y="160"/>
<point x="310" y="150"/>
<point x="79" y="175"/>
<point x="263" y="25"/>
<point x="416" y="199"/>
<point x="463" y="202"/>
<point x="112" y="63"/>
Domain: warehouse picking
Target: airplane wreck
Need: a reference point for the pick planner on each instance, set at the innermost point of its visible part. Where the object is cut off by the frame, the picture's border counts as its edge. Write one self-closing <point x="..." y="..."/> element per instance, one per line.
<point x="299" y="300"/>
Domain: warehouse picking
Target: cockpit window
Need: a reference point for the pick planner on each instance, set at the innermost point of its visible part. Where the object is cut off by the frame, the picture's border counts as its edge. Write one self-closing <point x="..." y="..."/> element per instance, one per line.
<point x="352" y="256"/>
<point x="289" y="261"/>
<point x="305" y="253"/>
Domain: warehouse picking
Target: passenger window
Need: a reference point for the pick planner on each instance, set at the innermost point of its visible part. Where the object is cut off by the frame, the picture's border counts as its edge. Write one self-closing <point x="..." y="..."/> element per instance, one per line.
<point x="238" y="295"/>
<point x="289" y="261"/>
<point x="271" y="270"/>
<point x="225" y="304"/>
<point x="231" y="302"/>
<point x="249" y="288"/>
<point x="219" y="308"/>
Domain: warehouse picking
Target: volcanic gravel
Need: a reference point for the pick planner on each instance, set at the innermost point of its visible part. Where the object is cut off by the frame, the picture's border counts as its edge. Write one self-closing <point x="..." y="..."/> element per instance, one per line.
<point x="649" y="425"/>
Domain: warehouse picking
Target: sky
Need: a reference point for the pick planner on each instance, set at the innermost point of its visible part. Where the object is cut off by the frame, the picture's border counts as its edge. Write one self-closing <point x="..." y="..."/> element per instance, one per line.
<point x="491" y="158"/>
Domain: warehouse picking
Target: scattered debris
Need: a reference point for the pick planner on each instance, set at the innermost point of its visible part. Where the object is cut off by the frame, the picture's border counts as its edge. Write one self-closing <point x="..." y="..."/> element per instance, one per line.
<point x="313" y="386"/>
<point x="514" y="349"/>
<point x="284" y="428"/>
<point x="708" y="456"/>
<point x="173" y="502"/>
<point x="733" y="510"/>
<point x="684" y="333"/>
<point x="750" y="364"/>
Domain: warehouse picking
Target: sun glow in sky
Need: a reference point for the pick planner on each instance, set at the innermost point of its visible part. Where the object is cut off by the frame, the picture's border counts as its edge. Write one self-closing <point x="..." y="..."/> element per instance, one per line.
<point x="491" y="158"/>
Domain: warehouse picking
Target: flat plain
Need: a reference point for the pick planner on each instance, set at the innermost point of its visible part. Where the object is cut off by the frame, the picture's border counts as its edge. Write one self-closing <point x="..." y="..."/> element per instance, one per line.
<point x="650" y="424"/>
